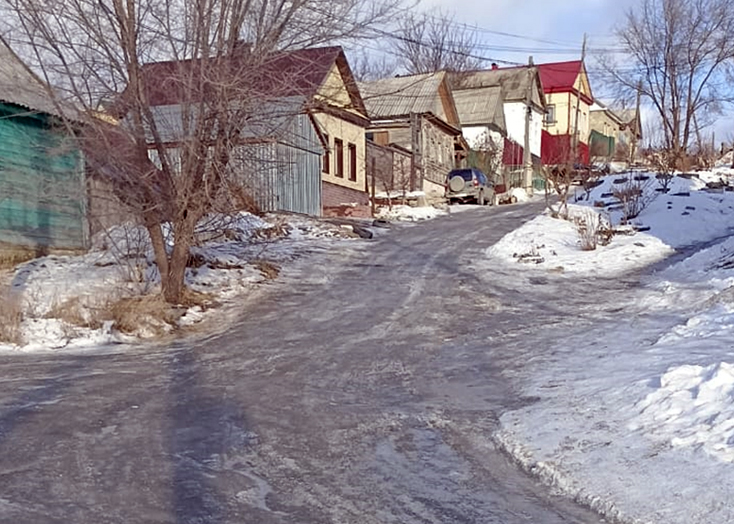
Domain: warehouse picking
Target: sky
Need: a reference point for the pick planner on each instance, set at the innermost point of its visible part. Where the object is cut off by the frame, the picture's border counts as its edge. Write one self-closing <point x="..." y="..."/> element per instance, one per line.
<point x="550" y="30"/>
<point x="553" y="21"/>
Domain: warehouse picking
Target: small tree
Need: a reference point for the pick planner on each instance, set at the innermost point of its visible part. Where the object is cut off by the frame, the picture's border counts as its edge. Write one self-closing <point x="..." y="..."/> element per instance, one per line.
<point x="559" y="175"/>
<point x="429" y="42"/>
<point x="486" y="155"/>
<point x="558" y="180"/>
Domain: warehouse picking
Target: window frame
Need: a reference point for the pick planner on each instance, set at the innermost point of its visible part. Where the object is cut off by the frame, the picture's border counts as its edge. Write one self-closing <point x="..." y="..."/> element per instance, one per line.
<point x="339" y="157"/>
<point x="352" y="157"/>
<point x="326" y="157"/>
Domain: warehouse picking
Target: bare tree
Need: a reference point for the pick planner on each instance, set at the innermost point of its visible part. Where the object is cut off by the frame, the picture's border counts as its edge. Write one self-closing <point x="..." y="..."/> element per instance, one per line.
<point x="679" y="50"/>
<point x="368" y="67"/>
<point x="429" y="42"/>
<point x="486" y="155"/>
<point x="188" y="128"/>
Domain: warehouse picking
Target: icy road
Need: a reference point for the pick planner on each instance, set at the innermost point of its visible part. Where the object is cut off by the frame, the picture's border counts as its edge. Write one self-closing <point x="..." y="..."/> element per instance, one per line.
<point x="363" y="386"/>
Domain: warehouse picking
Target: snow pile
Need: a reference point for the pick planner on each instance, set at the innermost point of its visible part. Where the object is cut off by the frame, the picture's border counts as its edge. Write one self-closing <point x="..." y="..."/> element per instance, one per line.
<point x="409" y="213"/>
<point x="75" y="301"/>
<point x="726" y="159"/>
<point x="693" y="407"/>
<point x="555" y="244"/>
<point x="684" y="215"/>
<point x="397" y="195"/>
<point x="519" y="194"/>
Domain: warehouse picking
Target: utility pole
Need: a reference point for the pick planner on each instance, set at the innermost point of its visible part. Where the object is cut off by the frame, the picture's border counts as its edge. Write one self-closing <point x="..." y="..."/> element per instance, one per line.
<point x="576" y="137"/>
<point x="527" y="158"/>
<point x="636" y="130"/>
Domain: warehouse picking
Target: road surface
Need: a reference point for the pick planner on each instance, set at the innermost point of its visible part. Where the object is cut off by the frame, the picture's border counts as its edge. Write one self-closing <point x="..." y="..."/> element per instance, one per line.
<point x="363" y="386"/>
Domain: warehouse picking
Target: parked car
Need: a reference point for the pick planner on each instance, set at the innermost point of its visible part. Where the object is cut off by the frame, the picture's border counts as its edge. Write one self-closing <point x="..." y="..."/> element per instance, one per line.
<point x="469" y="185"/>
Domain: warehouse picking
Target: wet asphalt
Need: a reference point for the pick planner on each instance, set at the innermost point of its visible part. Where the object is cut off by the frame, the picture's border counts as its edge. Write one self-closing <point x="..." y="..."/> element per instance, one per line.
<point x="362" y="386"/>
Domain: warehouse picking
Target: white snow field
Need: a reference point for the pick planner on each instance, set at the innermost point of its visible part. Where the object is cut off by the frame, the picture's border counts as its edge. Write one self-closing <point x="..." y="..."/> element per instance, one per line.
<point x="635" y="417"/>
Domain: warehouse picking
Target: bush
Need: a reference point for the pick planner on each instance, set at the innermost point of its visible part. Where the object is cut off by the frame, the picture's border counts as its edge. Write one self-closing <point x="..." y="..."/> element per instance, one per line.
<point x="593" y="230"/>
<point x="634" y="196"/>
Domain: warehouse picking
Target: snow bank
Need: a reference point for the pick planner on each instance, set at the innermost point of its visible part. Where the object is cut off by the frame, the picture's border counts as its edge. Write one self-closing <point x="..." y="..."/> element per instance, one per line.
<point x="693" y="407"/>
<point x="554" y="244"/>
<point x="66" y="299"/>
<point x="687" y="214"/>
<point x="519" y="194"/>
<point x="410" y="213"/>
<point x="635" y="411"/>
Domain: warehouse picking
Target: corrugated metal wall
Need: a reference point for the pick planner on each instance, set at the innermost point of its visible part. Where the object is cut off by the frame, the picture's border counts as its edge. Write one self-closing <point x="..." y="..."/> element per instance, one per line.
<point x="285" y="174"/>
<point x="42" y="191"/>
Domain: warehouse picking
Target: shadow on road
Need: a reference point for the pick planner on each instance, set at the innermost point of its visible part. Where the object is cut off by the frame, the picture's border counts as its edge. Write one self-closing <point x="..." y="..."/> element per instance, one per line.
<point x="203" y="429"/>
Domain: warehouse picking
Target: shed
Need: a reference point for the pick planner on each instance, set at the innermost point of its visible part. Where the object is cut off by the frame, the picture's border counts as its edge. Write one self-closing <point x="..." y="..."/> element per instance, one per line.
<point x="42" y="190"/>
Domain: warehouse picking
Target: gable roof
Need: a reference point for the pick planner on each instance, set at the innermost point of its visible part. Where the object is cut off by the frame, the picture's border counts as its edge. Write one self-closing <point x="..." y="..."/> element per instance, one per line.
<point x="20" y="86"/>
<point x="562" y="77"/>
<point x="402" y="95"/>
<point x="513" y="80"/>
<point x="298" y="73"/>
<point x="559" y="76"/>
<point x="481" y="106"/>
<point x="632" y="119"/>
<point x="598" y="107"/>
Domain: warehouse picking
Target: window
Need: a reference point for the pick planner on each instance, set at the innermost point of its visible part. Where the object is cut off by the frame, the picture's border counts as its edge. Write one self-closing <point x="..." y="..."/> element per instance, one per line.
<point x="466" y="174"/>
<point x="339" y="151"/>
<point x="352" y="162"/>
<point x="550" y="114"/>
<point x="326" y="160"/>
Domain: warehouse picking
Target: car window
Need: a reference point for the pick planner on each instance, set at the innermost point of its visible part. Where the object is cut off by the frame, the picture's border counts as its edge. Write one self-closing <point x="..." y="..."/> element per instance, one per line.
<point x="482" y="179"/>
<point x="466" y="174"/>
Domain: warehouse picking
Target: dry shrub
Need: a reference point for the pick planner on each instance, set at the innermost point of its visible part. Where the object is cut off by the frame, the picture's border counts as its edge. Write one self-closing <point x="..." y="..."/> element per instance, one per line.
<point x="192" y="298"/>
<point x="634" y="197"/>
<point x="11" y="317"/>
<point x="9" y="258"/>
<point x="593" y="230"/>
<point x="83" y="312"/>
<point x="272" y="232"/>
<point x="147" y="314"/>
<point x="268" y="269"/>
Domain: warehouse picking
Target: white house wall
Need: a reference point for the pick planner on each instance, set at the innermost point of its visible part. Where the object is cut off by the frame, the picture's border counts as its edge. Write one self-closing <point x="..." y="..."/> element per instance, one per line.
<point x="515" y="121"/>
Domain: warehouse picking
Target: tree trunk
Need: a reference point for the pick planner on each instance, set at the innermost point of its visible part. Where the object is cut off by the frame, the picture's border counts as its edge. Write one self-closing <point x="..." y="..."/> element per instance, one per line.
<point x="159" y="250"/>
<point x="174" y="285"/>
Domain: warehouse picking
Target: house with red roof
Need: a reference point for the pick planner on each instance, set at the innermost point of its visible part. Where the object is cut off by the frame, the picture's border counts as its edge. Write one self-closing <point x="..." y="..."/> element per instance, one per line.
<point x="568" y="98"/>
<point x="302" y="148"/>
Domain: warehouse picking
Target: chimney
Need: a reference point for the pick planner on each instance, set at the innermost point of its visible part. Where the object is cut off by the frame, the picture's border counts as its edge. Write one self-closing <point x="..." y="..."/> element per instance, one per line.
<point x="495" y="66"/>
